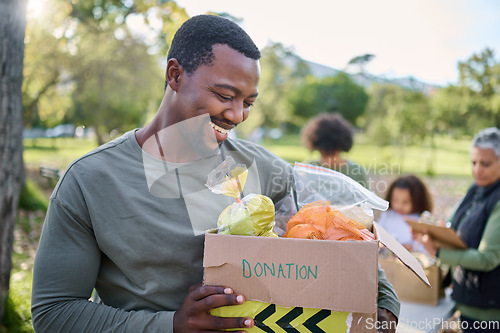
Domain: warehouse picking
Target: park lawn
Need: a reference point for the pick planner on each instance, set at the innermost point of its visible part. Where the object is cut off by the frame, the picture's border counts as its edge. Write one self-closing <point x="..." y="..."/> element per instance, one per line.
<point x="55" y="152"/>
<point x="450" y="158"/>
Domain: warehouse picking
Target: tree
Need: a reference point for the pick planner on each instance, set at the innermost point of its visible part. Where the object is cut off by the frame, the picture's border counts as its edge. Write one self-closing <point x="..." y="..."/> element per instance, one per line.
<point x="361" y="61"/>
<point x="96" y="63"/>
<point x="397" y="115"/>
<point x="382" y="117"/>
<point x="337" y="93"/>
<point x="474" y="103"/>
<point x="117" y="82"/>
<point x="109" y="15"/>
<point x="116" y="72"/>
<point x="449" y="110"/>
<point x="480" y="81"/>
<point x="12" y="29"/>
<point x="47" y="65"/>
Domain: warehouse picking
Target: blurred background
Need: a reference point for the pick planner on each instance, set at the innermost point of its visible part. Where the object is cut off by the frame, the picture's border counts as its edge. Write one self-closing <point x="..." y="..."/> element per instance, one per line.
<point x="416" y="79"/>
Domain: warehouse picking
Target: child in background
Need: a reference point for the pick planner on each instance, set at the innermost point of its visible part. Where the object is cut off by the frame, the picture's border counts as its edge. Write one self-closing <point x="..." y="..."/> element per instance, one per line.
<point x="408" y="198"/>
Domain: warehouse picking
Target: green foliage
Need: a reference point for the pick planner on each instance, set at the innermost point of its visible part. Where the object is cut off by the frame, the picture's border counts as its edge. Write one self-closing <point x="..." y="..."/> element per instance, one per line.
<point x="117" y="82"/>
<point x="83" y="65"/>
<point x="449" y="110"/>
<point x="106" y="15"/>
<point x="474" y="103"/>
<point x="382" y="113"/>
<point x="361" y="62"/>
<point x="17" y="316"/>
<point x="396" y="115"/>
<point x="337" y="93"/>
<point x="32" y="198"/>
<point x="46" y="84"/>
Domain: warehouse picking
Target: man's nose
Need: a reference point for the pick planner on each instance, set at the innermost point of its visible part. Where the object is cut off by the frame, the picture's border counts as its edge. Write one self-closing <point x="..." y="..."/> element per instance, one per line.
<point x="235" y="113"/>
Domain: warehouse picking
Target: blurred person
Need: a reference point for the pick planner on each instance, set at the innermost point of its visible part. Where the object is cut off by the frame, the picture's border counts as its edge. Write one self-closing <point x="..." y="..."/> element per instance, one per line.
<point x="476" y="270"/>
<point x="408" y="198"/>
<point x="128" y="219"/>
<point x="331" y="135"/>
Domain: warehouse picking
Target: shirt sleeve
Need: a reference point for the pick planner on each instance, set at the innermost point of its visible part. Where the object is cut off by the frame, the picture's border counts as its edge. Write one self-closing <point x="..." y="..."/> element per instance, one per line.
<point x="65" y="272"/>
<point x="387" y="298"/>
<point x="487" y="256"/>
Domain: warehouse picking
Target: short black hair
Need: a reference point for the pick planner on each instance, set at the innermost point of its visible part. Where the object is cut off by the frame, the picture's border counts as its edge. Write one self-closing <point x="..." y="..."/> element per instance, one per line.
<point x="192" y="43"/>
<point x="328" y="133"/>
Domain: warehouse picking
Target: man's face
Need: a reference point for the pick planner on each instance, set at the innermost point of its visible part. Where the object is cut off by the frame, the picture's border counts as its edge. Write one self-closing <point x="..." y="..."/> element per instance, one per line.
<point x="485" y="166"/>
<point x="225" y="89"/>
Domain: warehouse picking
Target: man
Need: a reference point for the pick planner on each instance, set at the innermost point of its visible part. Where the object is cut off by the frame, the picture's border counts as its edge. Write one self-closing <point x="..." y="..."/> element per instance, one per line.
<point x="128" y="218"/>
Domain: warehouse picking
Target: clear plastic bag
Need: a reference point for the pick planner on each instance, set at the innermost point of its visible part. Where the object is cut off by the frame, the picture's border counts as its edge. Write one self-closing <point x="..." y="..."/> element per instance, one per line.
<point x="251" y="216"/>
<point x="315" y="183"/>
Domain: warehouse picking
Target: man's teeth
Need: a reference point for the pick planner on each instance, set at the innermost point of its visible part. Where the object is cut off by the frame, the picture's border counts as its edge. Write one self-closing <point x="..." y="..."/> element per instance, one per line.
<point x="219" y="129"/>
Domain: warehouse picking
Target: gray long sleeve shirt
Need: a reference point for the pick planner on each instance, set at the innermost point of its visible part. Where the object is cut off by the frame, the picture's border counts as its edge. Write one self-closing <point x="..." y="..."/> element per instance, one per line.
<point x="133" y="228"/>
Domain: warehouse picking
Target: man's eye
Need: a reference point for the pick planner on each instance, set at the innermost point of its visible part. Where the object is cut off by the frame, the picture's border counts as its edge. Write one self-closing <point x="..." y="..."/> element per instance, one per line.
<point x="224" y="98"/>
<point x="248" y="104"/>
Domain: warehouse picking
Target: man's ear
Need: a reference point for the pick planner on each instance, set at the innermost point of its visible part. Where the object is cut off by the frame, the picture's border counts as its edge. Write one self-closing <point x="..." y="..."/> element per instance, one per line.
<point x="173" y="73"/>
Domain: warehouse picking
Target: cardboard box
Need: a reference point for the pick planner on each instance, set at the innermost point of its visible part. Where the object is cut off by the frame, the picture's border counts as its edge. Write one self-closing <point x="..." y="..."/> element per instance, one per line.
<point x="331" y="275"/>
<point x="408" y="287"/>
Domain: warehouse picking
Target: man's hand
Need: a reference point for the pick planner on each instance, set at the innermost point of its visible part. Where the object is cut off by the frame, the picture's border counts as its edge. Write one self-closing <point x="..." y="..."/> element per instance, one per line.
<point x="194" y="313"/>
<point x="386" y="321"/>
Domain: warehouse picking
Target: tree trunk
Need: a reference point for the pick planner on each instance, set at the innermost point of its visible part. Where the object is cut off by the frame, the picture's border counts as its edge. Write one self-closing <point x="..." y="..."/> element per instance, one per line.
<point x="12" y="28"/>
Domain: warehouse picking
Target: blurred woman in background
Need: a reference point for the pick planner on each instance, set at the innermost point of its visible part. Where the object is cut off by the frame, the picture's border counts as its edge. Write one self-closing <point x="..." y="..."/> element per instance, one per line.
<point x="331" y="135"/>
<point x="476" y="273"/>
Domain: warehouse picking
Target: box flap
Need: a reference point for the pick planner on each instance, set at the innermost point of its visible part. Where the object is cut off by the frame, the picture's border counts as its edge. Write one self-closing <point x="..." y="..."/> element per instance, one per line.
<point x="399" y="251"/>
<point x="335" y="275"/>
<point x="444" y="236"/>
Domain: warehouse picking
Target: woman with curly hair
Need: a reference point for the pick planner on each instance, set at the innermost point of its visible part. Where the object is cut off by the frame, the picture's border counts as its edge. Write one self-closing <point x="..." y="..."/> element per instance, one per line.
<point x="331" y="134"/>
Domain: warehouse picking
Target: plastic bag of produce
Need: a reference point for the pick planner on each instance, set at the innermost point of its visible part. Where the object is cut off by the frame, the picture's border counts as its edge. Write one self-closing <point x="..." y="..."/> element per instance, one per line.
<point x="253" y="215"/>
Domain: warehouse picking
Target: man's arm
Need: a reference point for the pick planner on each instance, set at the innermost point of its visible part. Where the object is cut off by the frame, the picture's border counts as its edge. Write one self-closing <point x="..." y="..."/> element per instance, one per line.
<point x="387" y="302"/>
<point x="65" y="273"/>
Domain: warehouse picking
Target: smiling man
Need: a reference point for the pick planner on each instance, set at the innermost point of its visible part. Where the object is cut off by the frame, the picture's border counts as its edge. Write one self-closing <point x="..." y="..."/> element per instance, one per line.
<point x="128" y="219"/>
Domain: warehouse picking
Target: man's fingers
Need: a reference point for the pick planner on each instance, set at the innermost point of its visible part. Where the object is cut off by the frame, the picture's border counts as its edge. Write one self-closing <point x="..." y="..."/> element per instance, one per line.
<point x="193" y="287"/>
<point x="204" y="291"/>
<point x="222" y="323"/>
<point x="216" y="301"/>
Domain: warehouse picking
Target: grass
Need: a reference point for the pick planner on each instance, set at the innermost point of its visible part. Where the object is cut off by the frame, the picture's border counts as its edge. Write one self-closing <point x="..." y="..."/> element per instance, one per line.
<point x="32" y="198"/>
<point x="17" y="317"/>
<point x="33" y="204"/>
<point x="450" y="158"/>
<point x="55" y="152"/>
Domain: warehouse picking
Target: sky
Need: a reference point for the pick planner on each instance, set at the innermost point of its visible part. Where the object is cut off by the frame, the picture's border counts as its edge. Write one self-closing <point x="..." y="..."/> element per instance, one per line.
<point x="421" y="38"/>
